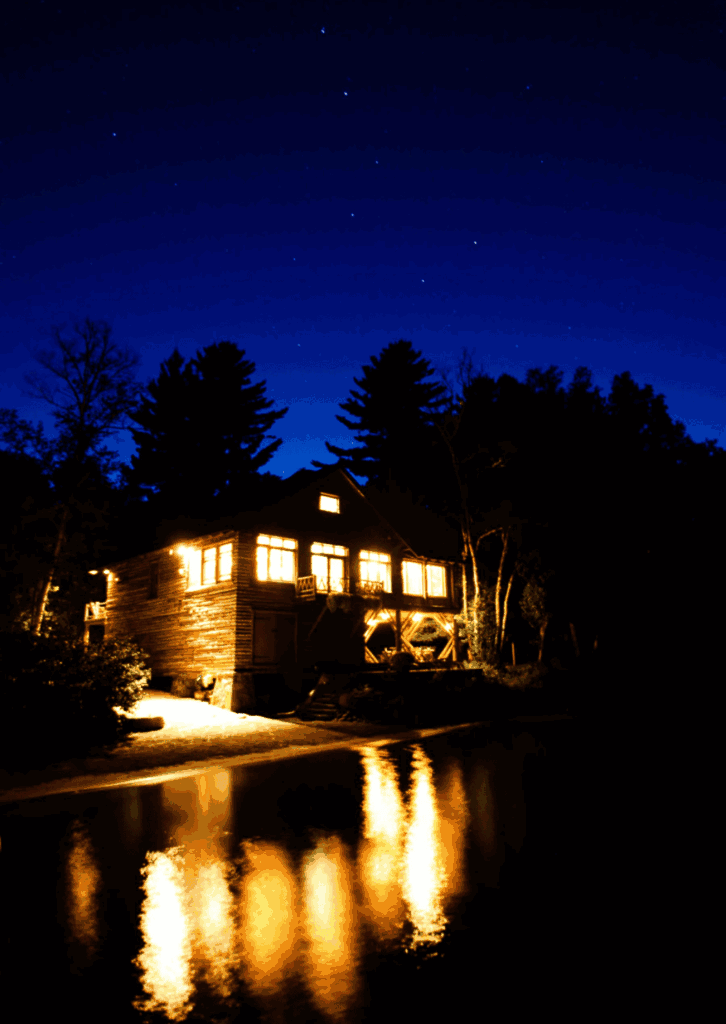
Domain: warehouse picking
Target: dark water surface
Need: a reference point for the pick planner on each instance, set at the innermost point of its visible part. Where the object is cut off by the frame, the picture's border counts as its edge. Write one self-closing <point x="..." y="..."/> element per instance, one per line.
<point x="443" y="878"/>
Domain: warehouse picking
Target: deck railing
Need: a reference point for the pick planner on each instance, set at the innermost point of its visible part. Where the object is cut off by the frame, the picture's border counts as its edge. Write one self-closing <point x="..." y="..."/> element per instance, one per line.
<point x="306" y="587"/>
<point x="95" y="611"/>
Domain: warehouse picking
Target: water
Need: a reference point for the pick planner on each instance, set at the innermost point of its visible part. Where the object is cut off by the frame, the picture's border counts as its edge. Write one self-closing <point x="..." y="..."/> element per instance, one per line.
<point x="364" y="884"/>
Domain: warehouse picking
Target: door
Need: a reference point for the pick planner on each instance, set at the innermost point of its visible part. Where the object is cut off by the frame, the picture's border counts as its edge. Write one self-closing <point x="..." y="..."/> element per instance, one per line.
<point x="274" y="639"/>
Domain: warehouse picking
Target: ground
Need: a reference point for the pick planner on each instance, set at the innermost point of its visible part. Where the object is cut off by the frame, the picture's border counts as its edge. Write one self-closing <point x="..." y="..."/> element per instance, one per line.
<point x="195" y="736"/>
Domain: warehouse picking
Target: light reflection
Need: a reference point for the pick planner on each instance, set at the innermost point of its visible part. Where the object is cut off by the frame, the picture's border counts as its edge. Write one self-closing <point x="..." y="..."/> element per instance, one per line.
<point x="424" y="871"/>
<point x="330" y="928"/>
<point x="453" y="827"/>
<point x="187" y="916"/>
<point x="268" y="918"/>
<point x="165" y="959"/>
<point x="83" y="888"/>
<point x="380" y="852"/>
<point x="202" y="922"/>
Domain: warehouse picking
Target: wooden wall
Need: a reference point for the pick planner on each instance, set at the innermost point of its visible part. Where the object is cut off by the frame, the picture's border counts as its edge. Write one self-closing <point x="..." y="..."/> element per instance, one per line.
<point x="186" y="633"/>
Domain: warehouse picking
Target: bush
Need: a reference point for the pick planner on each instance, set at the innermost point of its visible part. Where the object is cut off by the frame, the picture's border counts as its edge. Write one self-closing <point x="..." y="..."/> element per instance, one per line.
<point x="60" y="697"/>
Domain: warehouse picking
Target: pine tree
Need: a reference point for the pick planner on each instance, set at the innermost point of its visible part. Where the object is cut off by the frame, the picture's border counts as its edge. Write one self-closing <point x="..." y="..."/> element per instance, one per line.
<point x="201" y="441"/>
<point x="392" y="415"/>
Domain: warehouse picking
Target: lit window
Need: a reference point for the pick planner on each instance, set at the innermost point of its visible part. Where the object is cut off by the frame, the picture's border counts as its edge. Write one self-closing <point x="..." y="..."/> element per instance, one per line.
<point x="431" y="583"/>
<point x="328" y="567"/>
<point x="276" y="559"/>
<point x="329" y="503"/>
<point x="207" y="566"/>
<point x="436" y="581"/>
<point x="413" y="580"/>
<point x="225" y="562"/>
<point x="375" y="567"/>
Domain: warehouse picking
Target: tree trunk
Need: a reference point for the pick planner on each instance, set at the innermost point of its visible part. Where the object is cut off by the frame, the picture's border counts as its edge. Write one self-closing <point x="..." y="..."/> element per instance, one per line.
<point x="573" y="634"/>
<point x="504" y="612"/>
<point x="39" y="610"/>
<point x="542" y="631"/>
<point x="498" y="590"/>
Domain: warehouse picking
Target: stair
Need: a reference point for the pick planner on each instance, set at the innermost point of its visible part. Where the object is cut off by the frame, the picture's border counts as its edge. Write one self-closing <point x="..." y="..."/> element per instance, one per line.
<point x="320" y="709"/>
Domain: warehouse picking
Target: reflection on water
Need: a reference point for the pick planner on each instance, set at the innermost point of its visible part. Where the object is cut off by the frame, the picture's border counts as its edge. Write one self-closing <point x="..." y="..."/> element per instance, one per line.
<point x="268" y="919"/>
<point x="423" y="876"/>
<point x="233" y="911"/>
<point x="210" y="920"/>
<point x="330" y="928"/>
<point x="187" y="917"/>
<point x="83" y="889"/>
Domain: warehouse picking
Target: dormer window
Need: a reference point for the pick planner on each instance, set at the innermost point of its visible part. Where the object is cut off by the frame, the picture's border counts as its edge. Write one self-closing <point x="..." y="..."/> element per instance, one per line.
<point x="329" y="503"/>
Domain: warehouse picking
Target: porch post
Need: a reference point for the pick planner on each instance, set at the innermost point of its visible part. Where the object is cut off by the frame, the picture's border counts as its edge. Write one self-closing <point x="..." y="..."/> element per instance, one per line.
<point x="398" y="630"/>
<point x="457" y="645"/>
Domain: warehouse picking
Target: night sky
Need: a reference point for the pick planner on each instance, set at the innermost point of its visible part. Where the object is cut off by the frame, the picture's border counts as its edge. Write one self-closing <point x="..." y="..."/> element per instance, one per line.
<point x="537" y="184"/>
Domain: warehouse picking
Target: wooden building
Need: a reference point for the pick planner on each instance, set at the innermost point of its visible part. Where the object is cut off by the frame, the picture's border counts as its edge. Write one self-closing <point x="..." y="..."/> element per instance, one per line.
<point x="319" y="576"/>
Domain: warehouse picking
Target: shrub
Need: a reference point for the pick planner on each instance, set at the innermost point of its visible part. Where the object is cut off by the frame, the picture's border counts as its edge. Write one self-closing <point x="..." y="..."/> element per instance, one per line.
<point x="60" y="697"/>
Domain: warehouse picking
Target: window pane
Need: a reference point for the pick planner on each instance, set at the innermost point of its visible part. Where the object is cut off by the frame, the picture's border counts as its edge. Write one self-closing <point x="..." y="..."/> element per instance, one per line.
<point x="337" y="572"/>
<point x="225" y="562"/>
<point x="412" y="578"/>
<point x="277" y="570"/>
<point x="262" y="562"/>
<point x="319" y="566"/>
<point x="195" y="568"/>
<point x="287" y="566"/>
<point x="209" y="566"/>
<point x="435" y="581"/>
<point x="374" y="569"/>
<point x="329" y="503"/>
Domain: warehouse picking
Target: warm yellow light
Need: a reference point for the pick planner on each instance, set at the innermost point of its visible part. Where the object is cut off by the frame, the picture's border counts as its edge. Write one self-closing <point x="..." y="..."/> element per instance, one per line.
<point x="93" y="572"/>
<point x="329" y="503"/>
<point x="106" y="572"/>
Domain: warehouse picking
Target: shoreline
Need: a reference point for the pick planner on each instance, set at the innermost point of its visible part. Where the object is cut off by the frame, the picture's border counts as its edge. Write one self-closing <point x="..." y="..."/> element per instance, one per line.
<point x="197" y="737"/>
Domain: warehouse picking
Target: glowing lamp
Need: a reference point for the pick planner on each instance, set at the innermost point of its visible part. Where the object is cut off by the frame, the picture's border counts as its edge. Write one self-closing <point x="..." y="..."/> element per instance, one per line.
<point x="93" y="572"/>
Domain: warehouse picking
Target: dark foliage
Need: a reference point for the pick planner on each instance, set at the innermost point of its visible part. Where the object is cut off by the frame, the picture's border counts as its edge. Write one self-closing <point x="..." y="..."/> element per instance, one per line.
<point x="201" y="435"/>
<point x="392" y="416"/>
<point x="60" y="697"/>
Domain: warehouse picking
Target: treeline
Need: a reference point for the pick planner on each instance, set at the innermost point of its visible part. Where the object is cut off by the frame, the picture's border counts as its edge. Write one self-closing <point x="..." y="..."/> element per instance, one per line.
<point x="585" y="522"/>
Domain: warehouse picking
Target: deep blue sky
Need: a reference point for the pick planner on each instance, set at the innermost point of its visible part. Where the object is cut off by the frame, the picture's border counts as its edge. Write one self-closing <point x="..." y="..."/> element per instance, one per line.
<point x="539" y="184"/>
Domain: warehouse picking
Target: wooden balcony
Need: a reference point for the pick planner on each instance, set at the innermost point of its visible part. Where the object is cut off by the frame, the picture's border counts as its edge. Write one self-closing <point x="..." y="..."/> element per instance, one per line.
<point x="95" y="611"/>
<point x="307" y="587"/>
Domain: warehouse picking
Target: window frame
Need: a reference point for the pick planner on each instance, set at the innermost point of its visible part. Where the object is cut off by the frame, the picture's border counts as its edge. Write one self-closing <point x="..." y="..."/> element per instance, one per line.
<point x="196" y="562"/>
<point x="286" y="544"/>
<point x="425" y="594"/>
<point x="333" y="511"/>
<point x="387" y="565"/>
<point x="338" y="551"/>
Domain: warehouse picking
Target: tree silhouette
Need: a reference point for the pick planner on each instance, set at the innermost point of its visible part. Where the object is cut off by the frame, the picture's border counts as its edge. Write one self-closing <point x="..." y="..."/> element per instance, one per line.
<point x="89" y="383"/>
<point x="392" y="415"/>
<point x="201" y="435"/>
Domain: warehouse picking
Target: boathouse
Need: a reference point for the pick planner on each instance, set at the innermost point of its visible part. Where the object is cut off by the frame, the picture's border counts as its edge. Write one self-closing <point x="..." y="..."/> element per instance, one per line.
<point x="320" y="576"/>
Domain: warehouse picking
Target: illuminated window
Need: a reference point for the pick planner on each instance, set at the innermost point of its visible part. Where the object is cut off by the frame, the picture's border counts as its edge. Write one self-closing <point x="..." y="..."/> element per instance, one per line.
<point x="276" y="559"/>
<point x="328" y="564"/>
<point x="207" y="566"/>
<point x="375" y="567"/>
<point x="329" y="503"/>
<point x="424" y="580"/>
<point x="413" y="582"/>
<point x="436" y="581"/>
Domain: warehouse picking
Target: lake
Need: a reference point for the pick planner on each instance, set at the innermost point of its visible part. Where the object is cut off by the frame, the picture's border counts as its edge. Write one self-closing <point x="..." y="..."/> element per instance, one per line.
<point x="379" y="882"/>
